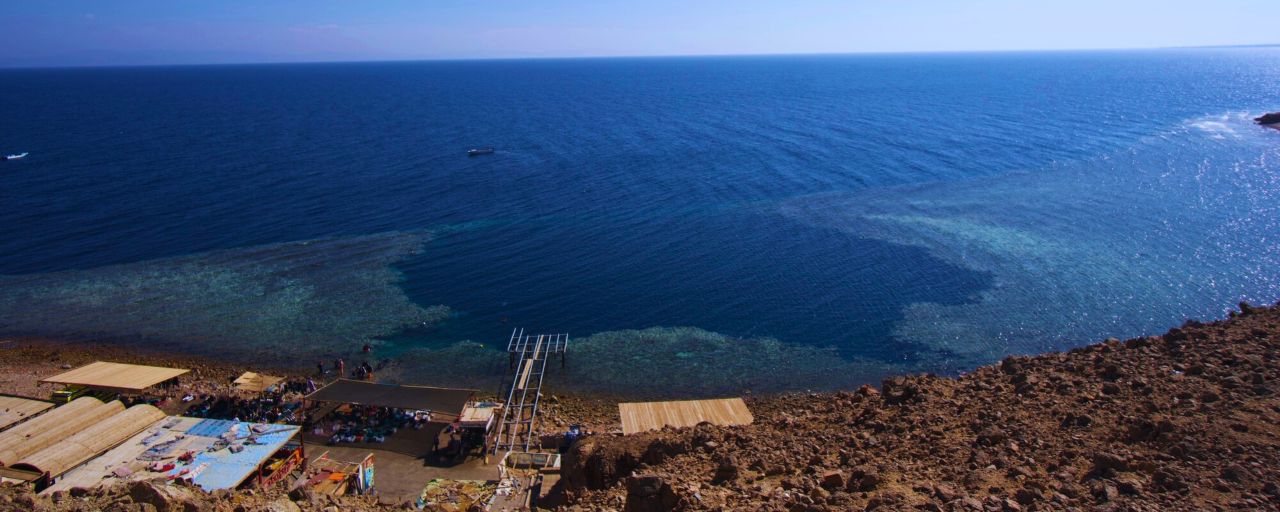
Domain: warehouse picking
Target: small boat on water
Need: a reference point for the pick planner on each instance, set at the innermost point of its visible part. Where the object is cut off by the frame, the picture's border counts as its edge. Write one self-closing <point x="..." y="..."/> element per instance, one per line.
<point x="16" y="157"/>
<point x="480" y="151"/>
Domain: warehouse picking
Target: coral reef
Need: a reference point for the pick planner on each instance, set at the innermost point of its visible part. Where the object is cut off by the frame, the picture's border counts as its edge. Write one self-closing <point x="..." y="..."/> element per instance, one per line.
<point x="276" y="302"/>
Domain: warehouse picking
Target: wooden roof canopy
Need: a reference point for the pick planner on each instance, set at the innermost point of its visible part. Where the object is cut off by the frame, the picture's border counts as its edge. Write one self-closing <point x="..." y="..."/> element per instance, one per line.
<point x="48" y="429"/>
<point x="15" y="409"/>
<point x="642" y="416"/>
<point x="115" y="376"/>
<point x="80" y="446"/>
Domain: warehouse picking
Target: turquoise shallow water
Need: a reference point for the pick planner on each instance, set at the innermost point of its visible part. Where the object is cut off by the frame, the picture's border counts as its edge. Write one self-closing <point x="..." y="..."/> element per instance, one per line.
<point x="753" y="223"/>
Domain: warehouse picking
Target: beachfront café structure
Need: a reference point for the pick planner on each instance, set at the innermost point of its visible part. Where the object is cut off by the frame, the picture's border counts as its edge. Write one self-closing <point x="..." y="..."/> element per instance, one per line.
<point x="88" y="443"/>
<point x="351" y="398"/>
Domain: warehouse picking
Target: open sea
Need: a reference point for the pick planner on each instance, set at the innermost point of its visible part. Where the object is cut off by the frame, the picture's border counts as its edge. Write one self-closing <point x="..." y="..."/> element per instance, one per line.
<point x="702" y="225"/>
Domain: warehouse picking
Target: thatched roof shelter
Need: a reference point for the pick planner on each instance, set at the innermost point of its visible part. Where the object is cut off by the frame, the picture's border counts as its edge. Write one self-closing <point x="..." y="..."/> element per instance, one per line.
<point x="116" y="376"/>
<point x="255" y="382"/>
<point x="54" y="426"/>
<point x="15" y="409"/>
<point x="92" y="441"/>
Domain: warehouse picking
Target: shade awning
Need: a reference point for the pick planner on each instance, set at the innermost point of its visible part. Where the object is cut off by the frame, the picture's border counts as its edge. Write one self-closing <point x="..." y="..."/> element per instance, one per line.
<point x="226" y="469"/>
<point x="92" y="441"/>
<point x="14" y="409"/>
<point x="54" y="426"/>
<point x="642" y="416"/>
<point x="445" y="400"/>
<point x="256" y="382"/>
<point x="118" y="376"/>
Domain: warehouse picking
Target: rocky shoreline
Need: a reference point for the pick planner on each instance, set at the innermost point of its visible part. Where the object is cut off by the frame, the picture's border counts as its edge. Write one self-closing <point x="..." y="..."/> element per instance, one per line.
<point x="24" y="361"/>
<point x="1189" y="419"/>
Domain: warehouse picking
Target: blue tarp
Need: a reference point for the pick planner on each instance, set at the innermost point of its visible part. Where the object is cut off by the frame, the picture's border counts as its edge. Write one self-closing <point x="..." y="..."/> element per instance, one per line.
<point x="223" y="469"/>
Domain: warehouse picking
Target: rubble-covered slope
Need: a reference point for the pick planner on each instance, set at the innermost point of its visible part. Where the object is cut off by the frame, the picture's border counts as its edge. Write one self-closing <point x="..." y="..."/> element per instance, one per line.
<point x="157" y="497"/>
<point x="1187" y="420"/>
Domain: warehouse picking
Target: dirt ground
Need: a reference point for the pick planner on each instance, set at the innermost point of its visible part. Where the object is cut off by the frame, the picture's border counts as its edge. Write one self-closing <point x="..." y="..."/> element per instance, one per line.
<point x="400" y="478"/>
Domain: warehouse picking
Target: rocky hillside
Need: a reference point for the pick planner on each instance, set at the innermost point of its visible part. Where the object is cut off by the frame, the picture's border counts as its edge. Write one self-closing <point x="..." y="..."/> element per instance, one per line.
<point x="1188" y="421"/>
<point x="145" y="497"/>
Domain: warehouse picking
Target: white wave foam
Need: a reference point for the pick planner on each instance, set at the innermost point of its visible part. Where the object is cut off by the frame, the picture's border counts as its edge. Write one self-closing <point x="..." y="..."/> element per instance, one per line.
<point x="1217" y="128"/>
<point x="1220" y="127"/>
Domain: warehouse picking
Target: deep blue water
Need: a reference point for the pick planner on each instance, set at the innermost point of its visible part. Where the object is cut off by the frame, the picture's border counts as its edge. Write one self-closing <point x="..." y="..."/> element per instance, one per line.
<point x="931" y="210"/>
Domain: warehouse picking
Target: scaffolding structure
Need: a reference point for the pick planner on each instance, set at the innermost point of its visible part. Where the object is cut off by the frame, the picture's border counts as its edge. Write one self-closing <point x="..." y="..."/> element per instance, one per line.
<point x="518" y="430"/>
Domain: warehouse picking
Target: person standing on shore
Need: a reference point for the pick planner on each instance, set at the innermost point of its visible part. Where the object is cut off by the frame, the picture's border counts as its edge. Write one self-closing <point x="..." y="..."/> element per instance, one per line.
<point x="340" y="366"/>
<point x="320" y="368"/>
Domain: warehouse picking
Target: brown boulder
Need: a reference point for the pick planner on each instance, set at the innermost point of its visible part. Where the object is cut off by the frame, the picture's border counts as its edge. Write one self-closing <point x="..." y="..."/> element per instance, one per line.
<point x="1235" y="473"/>
<point x="899" y="390"/>
<point x="1026" y="496"/>
<point x="832" y="480"/>
<point x="1104" y="492"/>
<point x="991" y="436"/>
<point x="945" y="492"/>
<point x="863" y="479"/>
<point x="1129" y="484"/>
<point x="649" y="493"/>
<point x="1104" y="461"/>
<point x="727" y="471"/>
<point x="282" y="505"/>
<point x="144" y="492"/>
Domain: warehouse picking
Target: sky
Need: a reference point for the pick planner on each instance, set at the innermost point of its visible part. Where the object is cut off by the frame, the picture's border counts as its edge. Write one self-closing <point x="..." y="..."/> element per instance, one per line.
<point x="145" y="32"/>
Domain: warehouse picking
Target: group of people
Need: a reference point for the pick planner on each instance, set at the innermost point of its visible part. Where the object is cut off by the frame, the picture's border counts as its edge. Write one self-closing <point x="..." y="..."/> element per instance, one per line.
<point x="362" y="372"/>
<point x="280" y="404"/>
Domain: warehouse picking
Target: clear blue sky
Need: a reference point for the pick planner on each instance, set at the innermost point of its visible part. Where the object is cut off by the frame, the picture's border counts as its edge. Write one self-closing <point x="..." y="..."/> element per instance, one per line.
<point x="81" y="32"/>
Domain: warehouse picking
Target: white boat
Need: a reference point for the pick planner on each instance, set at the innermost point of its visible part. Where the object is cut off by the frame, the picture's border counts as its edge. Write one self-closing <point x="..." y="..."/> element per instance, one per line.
<point x="15" y="157"/>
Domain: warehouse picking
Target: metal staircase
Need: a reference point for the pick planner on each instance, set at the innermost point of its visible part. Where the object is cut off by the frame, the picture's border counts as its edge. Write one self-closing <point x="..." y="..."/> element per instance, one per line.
<point x="518" y="430"/>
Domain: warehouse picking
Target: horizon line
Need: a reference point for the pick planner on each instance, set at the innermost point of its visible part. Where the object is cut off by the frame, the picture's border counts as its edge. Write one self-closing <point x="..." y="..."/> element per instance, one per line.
<point x="4" y="67"/>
